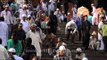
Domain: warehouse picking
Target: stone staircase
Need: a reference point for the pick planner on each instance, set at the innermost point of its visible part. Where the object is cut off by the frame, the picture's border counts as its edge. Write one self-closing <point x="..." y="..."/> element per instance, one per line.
<point x="92" y="55"/>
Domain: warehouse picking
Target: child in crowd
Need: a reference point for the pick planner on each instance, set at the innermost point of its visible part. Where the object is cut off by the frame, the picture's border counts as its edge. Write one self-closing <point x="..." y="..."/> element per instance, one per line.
<point x="94" y="43"/>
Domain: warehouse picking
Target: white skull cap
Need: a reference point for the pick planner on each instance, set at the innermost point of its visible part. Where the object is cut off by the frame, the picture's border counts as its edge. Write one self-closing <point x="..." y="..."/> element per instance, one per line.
<point x="24" y="5"/>
<point x="33" y="24"/>
<point x="68" y="13"/>
<point x="12" y="50"/>
<point x="79" y="50"/>
<point x="24" y="15"/>
<point x="62" y="48"/>
<point x="57" y="9"/>
<point x="84" y="58"/>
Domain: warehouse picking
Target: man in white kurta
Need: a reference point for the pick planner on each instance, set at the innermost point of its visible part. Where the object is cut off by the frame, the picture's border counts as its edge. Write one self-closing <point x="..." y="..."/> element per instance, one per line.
<point x="23" y="11"/>
<point x="7" y="18"/>
<point x="7" y="15"/>
<point x="3" y="32"/>
<point x="26" y="25"/>
<point x="34" y="34"/>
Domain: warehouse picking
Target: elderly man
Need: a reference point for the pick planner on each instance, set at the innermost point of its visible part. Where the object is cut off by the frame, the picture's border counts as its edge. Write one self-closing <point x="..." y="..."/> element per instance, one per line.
<point x="62" y="54"/>
<point x="80" y="55"/>
<point x="12" y="54"/>
<point x="3" y="31"/>
<point x="35" y="35"/>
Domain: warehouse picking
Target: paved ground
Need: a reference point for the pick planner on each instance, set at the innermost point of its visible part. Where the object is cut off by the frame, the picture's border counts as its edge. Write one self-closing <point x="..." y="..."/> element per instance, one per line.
<point x="92" y="55"/>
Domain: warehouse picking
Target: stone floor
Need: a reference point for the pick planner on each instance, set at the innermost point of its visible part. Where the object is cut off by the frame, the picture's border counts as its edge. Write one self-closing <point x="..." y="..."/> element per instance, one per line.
<point x="92" y="55"/>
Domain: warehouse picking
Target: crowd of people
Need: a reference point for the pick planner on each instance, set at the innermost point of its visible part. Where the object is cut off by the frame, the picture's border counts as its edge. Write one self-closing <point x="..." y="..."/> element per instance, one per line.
<point x="26" y="29"/>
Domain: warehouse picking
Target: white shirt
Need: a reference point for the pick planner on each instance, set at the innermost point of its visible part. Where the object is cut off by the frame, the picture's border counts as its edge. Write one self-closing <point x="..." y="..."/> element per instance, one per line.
<point x="22" y="12"/>
<point x="51" y="7"/>
<point x="94" y="11"/>
<point x="17" y="57"/>
<point x="26" y="25"/>
<point x="36" y="40"/>
<point x="44" y="7"/>
<point x="7" y="17"/>
<point x="4" y="33"/>
<point x="71" y="24"/>
<point x="3" y="53"/>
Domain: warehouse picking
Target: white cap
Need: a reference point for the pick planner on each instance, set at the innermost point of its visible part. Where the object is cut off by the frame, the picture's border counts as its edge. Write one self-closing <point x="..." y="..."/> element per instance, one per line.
<point x="62" y="48"/>
<point x="23" y="15"/>
<point x="79" y="50"/>
<point x="92" y="4"/>
<point x="33" y="24"/>
<point x="84" y="58"/>
<point x="24" y="5"/>
<point x="57" y="9"/>
<point x="50" y="0"/>
<point x="29" y="16"/>
<point x="12" y="50"/>
<point x="68" y="13"/>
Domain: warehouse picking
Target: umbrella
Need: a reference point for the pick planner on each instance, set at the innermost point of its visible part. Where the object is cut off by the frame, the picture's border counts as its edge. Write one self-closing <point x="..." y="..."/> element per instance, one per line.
<point x="82" y="10"/>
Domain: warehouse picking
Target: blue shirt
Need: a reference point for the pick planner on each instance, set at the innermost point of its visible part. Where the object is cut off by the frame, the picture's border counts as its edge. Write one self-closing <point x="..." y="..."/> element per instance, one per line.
<point x="90" y="19"/>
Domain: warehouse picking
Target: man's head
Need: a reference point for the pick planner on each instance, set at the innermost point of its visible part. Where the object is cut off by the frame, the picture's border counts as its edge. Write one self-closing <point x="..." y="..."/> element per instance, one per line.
<point x="94" y="34"/>
<point x="92" y="5"/>
<point x="28" y="41"/>
<point x="24" y="17"/>
<point x="6" y="7"/>
<point x="85" y="18"/>
<point x="12" y="51"/>
<point x="18" y="20"/>
<point x="62" y="50"/>
<point x="78" y="51"/>
<point x="33" y="27"/>
<point x="20" y="26"/>
<point x="24" y="7"/>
